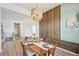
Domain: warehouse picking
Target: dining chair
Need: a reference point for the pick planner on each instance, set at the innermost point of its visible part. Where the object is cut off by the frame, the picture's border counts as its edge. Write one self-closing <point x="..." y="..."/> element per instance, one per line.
<point x="23" y="40"/>
<point x="51" y="51"/>
<point x="12" y="48"/>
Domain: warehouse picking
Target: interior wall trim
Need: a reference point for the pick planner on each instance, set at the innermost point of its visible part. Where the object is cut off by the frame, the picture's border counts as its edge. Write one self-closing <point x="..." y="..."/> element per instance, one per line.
<point x="73" y="47"/>
<point x="67" y="51"/>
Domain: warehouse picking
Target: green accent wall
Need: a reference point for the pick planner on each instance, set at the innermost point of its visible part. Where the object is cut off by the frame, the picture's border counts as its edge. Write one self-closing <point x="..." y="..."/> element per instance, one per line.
<point x="68" y="33"/>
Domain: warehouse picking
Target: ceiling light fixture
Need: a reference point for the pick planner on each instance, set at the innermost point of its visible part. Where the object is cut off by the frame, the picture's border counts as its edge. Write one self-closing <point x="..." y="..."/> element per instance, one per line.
<point x="36" y="13"/>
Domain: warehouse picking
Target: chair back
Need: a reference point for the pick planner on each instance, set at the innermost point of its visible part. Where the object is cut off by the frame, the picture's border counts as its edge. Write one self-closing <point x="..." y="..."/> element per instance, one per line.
<point x="51" y="51"/>
<point x="12" y="48"/>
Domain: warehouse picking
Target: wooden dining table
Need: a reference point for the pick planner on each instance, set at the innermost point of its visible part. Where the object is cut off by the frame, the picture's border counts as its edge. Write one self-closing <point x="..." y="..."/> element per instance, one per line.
<point x="38" y="48"/>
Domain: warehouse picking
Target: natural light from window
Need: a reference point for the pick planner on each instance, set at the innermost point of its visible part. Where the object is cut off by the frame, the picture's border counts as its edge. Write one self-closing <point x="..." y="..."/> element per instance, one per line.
<point x="34" y="30"/>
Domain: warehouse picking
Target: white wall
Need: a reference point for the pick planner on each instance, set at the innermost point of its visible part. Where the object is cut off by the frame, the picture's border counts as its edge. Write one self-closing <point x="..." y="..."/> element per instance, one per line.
<point x="8" y="26"/>
<point x="25" y="26"/>
<point x="0" y="29"/>
<point x="9" y="17"/>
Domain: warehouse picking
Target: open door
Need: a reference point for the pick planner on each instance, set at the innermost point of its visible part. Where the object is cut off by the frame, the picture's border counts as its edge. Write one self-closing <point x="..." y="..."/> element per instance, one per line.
<point x="17" y="29"/>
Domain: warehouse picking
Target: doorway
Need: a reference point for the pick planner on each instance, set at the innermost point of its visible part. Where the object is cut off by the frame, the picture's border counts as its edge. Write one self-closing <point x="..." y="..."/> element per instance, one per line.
<point x="17" y="29"/>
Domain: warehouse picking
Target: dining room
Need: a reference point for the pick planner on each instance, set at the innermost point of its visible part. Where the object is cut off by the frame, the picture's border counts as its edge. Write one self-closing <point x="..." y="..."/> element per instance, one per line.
<point x="39" y="29"/>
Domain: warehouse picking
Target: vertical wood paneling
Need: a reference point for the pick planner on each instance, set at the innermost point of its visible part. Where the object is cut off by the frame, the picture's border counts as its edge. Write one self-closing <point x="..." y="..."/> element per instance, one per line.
<point x="50" y="24"/>
<point x="56" y="12"/>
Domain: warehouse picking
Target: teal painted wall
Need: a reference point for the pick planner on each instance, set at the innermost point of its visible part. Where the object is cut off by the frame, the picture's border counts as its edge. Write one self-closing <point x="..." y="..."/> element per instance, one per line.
<point x="67" y="33"/>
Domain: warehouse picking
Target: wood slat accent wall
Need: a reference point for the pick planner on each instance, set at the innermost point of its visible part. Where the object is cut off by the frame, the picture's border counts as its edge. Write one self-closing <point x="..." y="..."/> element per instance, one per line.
<point x="50" y="23"/>
<point x="56" y="16"/>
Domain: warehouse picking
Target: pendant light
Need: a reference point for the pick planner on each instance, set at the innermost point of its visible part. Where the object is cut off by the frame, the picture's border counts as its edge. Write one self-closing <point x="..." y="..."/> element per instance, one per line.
<point x="36" y="13"/>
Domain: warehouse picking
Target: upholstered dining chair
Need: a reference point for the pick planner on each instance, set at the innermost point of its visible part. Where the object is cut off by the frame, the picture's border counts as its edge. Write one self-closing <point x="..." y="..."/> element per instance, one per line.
<point x="23" y="40"/>
<point x="51" y="51"/>
<point x="12" y="48"/>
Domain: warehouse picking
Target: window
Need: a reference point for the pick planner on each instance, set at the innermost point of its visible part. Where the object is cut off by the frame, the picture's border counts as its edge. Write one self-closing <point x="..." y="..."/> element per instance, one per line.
<point x="34" y="29"/>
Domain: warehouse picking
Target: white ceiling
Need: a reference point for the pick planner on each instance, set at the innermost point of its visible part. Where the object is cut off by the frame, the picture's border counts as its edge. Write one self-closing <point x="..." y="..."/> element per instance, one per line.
<point x="42" y="6"/>
<point x="17" y="10"/>
<point x="9" y="14"/>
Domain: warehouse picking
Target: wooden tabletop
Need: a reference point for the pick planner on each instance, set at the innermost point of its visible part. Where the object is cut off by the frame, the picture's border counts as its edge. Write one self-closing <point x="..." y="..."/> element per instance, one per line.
<point x="37" y="48"/>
